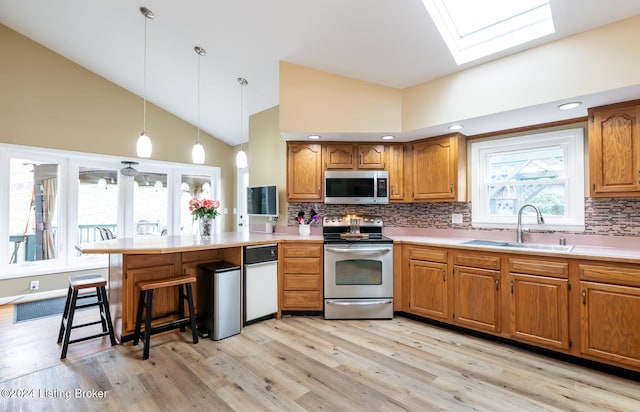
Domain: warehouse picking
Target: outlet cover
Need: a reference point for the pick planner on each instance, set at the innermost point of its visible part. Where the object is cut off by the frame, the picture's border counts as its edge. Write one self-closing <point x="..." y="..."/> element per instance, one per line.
<point x="456" y="218"/>
<point x="34" y="285"/>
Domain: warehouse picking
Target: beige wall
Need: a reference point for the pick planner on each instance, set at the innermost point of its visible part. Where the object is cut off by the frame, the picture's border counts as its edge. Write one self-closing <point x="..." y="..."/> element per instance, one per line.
<point x="268" y="158"/>
<point x="48" y="101"/>
<point x="598" y="60"/>
<point x="316" y="101"/>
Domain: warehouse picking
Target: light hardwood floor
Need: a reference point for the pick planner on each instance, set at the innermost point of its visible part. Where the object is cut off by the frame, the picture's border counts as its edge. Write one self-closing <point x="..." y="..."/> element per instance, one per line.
<point x="298" y="364"/>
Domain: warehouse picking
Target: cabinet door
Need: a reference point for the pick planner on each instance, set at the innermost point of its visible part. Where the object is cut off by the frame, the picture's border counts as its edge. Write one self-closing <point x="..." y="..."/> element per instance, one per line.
<point x="434" y="170"/>
<point x="164" y="300"/>
<point x="371" y="156"/>
<point x="428" y="289"/>
<point x="477" y="298"/>
<point x="610" y="322"/>
<point x="304" y="172"/>
<point x="614" y="151"/>
<point x="539" y="310"/>
<point x="339" y="156"/>
<point x="395" y="167"/>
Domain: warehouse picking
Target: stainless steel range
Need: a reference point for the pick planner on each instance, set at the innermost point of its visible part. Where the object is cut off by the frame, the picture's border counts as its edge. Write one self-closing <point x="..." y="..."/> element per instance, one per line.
<point x="358" y="268"/>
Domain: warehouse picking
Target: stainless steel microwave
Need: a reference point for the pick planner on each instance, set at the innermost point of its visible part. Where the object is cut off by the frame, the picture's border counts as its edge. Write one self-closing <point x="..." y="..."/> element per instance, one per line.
<point x="356" y="187"/>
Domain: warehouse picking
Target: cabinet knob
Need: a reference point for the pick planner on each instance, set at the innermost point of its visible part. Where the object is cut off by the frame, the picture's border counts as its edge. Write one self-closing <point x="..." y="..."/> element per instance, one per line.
<point x="497" y="284"/>
<point x="513" y="283"/>
<point x="584" y="296"/>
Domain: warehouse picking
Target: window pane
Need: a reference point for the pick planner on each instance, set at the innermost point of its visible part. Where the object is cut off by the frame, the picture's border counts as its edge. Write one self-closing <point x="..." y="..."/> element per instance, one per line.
<point x="506" y="200"/>
<point x="33" y="206"/>
<point x="527" y="176"/>
<point x="150" y="201"/>
<point x="198" y="186"/>
<point x="97" y="203"/>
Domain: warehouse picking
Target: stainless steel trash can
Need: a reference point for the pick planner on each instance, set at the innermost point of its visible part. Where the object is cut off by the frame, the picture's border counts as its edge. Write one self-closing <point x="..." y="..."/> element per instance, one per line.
<point x="222" y="299"/>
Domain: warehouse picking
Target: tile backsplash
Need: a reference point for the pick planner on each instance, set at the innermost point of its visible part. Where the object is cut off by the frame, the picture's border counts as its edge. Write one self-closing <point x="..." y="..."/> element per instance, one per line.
<point x="610" y="216"/>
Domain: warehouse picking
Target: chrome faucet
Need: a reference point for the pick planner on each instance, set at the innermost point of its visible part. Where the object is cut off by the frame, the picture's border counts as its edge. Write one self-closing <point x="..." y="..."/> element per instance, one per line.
<point x="519" y="227"/>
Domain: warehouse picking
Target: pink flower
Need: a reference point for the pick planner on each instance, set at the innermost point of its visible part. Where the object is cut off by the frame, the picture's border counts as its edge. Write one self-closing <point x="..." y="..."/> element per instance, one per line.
<point x="204" y="208"/>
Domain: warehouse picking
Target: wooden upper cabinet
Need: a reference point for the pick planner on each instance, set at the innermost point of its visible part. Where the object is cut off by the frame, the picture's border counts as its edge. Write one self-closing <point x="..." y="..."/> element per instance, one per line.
<point x="439" y="169"/>
<point x="395" y="167"/>
<point x="371" y="156"/>
<point x="614" y="150"/>
<point x="354" y="156"/>
<point x="339" y="156"/>
<point x="304" y="172"/>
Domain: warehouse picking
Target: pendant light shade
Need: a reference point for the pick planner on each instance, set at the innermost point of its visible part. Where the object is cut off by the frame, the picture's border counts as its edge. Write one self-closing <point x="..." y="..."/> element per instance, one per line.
<point x="241" y="159"/>
<point x="143" y="146"/>
<point x="241" y="156"/>
<point x="197" y="153"/>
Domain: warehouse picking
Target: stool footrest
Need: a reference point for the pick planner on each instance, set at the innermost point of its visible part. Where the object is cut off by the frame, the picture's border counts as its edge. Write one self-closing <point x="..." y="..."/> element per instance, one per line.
<point x="97" y="335"/>
<point x="167" y="326"/>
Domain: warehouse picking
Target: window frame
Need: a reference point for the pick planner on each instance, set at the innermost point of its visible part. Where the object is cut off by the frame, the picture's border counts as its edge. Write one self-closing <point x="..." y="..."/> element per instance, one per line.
<point x="572" y="141"/>
<point x="67" y="210"/>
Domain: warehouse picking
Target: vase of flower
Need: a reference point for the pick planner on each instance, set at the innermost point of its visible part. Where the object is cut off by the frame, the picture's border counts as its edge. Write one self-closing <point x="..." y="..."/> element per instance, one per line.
<point x="205" y="225"/>
<point x="205" y="211"/>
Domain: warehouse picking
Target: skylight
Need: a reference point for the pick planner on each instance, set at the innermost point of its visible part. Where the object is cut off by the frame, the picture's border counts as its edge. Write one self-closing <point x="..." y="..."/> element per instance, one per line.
<point x="476" y="28"/>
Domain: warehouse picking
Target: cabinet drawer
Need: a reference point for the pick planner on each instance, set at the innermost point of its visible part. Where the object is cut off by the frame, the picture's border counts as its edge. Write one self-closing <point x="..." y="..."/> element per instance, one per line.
<point x="302" y="250"/>
<point x="477" y="261"/>
<point x="431" y="255"/>
<point x="302" y="300"/>
<point x="539" y="267"/>
<point x="302" y="282"/>
<point x="142" y="261"/>
<point x="610" y="274"/>
<point x="302" y="265"/>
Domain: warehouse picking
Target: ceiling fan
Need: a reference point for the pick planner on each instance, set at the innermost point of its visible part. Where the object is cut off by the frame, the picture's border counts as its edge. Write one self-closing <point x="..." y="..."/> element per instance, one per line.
<point x="129" y="170"/>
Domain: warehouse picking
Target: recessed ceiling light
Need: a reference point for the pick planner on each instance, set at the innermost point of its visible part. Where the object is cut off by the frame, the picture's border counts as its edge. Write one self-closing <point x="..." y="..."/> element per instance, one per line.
<point x="456" y="127"/>
<point x="388" y="137"/>
<point x="570" y="105"/>
<point x="314" y="137"/>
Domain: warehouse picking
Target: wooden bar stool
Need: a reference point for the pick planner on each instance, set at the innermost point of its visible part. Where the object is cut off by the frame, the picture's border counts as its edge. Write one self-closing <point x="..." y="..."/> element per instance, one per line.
<point x="145" y="306"/>
<point x="77" y="283"/>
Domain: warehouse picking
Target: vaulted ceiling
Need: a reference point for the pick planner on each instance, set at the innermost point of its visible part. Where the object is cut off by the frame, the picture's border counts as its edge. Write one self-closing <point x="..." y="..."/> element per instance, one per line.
<point x="388" y="42"/>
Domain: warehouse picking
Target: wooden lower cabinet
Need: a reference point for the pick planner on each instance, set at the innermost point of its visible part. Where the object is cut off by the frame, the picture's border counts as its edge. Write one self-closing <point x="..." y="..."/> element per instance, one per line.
<point x="427" y="286"/>
<point x="539" y="302"/>
<point x="610" y="314"/>
<point x="477" y="292"/>
<point x="145" y="267"/>
<point x="301" y="277"/>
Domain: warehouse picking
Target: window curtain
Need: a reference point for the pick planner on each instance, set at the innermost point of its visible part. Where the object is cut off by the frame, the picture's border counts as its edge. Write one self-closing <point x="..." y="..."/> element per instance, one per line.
<point x="49" y="194"/>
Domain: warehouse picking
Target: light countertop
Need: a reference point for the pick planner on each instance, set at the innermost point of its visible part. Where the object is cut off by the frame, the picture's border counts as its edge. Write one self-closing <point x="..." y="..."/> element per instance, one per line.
<point x="628" y="253"/>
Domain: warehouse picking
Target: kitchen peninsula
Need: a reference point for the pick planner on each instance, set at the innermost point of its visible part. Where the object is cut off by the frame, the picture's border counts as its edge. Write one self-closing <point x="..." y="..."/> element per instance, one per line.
<point x="143" y="258"/>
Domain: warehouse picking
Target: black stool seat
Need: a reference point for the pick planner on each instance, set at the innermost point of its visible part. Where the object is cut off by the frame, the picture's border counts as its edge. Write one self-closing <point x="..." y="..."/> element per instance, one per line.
<point x="145" y="310"/>
<point x="76" y="284"/>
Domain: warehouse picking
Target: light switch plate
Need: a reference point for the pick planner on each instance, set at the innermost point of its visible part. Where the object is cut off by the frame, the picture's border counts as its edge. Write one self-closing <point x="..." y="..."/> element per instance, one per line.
<point x="456" y="218"/>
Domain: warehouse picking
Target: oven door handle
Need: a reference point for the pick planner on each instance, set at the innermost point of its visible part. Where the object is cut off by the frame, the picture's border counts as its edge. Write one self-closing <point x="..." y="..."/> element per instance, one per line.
<point x="359" y="302"/>
<point x="358" y="251"/>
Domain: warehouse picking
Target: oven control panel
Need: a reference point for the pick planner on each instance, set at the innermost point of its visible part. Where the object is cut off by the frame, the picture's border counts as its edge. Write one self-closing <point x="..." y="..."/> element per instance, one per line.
<point x="345" y="220"/>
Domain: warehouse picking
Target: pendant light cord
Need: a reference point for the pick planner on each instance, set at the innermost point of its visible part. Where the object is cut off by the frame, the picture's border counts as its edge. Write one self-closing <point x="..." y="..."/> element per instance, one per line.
<point x="198" y="114"/>
<point x="144" y="81"/>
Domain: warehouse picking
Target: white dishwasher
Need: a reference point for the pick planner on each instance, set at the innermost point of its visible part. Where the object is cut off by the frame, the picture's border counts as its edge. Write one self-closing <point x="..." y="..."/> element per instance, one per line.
<point x="260" y="282"/>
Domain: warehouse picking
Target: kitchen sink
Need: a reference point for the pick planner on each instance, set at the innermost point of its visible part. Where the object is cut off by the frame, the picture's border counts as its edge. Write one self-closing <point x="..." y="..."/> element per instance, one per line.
<point x="514" y="245"/>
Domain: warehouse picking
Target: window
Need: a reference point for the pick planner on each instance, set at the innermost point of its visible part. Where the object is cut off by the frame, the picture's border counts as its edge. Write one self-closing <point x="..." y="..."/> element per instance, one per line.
<point x="473" y="29"/>
<point x="57" y="199"/>
<point x="545" y="169"/>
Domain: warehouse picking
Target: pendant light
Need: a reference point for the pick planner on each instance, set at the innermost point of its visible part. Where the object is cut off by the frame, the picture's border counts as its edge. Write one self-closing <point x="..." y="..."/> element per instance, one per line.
<point x="241" y="156"/>
<point x="143" y="146"/>
<point x="197" y="153"/>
